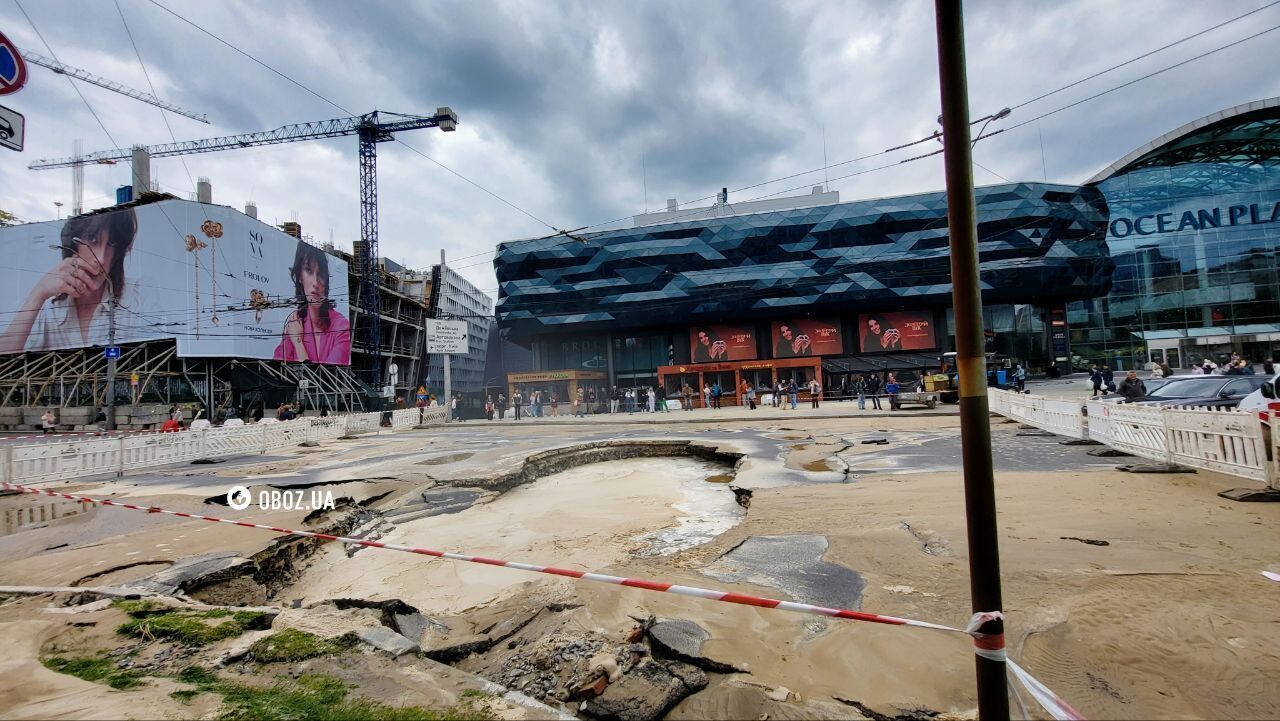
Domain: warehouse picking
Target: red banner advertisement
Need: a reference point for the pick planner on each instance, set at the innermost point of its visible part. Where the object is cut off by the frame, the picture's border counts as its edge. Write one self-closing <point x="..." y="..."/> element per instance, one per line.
<point x="806" y="337"/>
<point x="715" y="343"/>
<point x="897" y="331"/>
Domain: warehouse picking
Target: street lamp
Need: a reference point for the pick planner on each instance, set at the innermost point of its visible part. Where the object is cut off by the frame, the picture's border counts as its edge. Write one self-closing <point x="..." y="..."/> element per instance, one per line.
<point x="111" y="330"/>
<point x="58" y="203"/>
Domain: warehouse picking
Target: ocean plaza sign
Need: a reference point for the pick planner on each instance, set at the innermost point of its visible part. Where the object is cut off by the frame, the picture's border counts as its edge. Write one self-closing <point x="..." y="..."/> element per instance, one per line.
<point x="1198" y="219"/>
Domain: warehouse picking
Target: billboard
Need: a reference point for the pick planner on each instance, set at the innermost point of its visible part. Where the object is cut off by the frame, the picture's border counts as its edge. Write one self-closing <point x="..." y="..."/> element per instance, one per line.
<point x="219" y="282"/>
<point x="806" y="337"/>
<point x="714" y="343"/>
<point x="896" y="331"/>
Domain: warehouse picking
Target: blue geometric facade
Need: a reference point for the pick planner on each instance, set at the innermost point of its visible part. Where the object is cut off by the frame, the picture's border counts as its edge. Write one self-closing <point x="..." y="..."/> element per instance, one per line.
<point x="1037" y="241"/>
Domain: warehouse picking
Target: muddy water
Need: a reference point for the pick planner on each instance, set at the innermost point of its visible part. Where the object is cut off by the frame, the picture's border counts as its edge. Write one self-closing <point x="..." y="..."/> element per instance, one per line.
<point x="27" y="511"/>
<point x="586" y="518"/>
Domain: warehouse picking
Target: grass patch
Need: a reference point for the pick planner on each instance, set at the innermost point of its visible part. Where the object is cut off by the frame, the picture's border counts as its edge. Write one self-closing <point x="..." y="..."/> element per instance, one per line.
<point x="189" y="627"/>
<point x="324" y="698"/>
<point x="138" y="608"/>
<point x="197" y="676"/>
<point x="97" y="670"/>
<point x="184" y="697"/>
<point x="294" y="645"/>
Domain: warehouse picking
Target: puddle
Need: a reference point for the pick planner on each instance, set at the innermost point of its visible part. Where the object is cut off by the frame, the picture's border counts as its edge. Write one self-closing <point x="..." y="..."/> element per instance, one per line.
<point x="818" y="466"/>
<point x="793" y="565"/>
<point x="447" y="458"/>
<point x="22" y="513"/>
<point x="720" y="478"/>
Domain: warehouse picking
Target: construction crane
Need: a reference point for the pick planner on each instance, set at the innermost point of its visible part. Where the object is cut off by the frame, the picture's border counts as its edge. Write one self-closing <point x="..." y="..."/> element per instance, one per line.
<point x="372" y="128"/>
<point x="88" y="77"/>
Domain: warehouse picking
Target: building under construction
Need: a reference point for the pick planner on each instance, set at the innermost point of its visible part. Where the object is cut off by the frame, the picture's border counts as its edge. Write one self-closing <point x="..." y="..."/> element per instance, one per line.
<point x="207" y="307"/>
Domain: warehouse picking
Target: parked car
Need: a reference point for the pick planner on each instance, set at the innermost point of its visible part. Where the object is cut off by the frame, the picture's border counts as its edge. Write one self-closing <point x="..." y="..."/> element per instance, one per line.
<point x="1204" y="391"/>
<point x="1263" y="399"/>
<point x="1151" y="385"/>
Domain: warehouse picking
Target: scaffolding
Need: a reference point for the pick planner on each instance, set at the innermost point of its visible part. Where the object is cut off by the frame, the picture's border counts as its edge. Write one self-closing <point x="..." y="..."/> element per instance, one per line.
<point x="152" y="372"/>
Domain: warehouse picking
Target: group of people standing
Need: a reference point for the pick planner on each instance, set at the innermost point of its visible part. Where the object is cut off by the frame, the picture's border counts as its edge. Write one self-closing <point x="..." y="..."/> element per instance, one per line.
<point x="869" y="386"/>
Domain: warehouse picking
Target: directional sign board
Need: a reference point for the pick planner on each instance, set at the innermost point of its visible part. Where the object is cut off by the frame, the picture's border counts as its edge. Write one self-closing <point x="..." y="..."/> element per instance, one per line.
<point x="13" y="69"/>
<point x="12" y="127"/>
<point x="447" y="336"/>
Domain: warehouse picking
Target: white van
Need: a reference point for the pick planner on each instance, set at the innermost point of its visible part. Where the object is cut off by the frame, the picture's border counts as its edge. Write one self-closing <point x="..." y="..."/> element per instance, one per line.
<point x="1263" y="399"/>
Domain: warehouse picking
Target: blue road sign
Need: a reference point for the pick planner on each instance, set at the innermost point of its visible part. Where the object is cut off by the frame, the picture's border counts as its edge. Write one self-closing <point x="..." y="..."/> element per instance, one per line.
<point x="111" y="351"/>
<point x="13" y="70"/>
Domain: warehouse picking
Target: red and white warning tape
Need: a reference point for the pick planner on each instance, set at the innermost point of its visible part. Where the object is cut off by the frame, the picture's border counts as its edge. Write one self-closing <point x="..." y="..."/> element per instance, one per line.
<point x="985" y="645"/>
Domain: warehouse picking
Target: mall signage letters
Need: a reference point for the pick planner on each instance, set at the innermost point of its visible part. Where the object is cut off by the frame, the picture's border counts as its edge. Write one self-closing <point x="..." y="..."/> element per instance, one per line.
<point x="1201" y="219"/>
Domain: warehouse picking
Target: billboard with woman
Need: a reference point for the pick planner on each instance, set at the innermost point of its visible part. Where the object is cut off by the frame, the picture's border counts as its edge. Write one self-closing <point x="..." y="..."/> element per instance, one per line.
<point x="897" y="331"/>
<point x="217" y="281"/>
<point x="718" y="343"/>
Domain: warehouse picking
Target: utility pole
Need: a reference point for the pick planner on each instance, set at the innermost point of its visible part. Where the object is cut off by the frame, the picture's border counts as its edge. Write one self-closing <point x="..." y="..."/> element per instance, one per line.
<point x="975" y="423"/>
<point x="448" y="381"/>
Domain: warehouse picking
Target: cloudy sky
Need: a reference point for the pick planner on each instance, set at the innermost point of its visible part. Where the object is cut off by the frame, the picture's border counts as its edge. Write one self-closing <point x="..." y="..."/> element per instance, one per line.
<point x="579" y="113"/>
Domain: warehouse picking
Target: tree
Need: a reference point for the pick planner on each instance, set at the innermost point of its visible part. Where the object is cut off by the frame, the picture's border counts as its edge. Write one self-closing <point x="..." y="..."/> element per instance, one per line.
<point x="7" y="219"/>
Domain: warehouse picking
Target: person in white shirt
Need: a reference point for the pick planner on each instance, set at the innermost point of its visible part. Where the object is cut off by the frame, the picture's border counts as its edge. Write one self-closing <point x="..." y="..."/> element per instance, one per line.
<point x="68" y="306"/>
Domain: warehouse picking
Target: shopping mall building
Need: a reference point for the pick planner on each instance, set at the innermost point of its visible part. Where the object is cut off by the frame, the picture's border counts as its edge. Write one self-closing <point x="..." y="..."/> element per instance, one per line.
<point x="1171" y="253"/>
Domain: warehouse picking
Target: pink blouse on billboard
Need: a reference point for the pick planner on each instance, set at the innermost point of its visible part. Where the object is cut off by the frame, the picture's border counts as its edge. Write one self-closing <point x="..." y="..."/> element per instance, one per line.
<point x="332" y="346"/>
<point x="316" y="332"/>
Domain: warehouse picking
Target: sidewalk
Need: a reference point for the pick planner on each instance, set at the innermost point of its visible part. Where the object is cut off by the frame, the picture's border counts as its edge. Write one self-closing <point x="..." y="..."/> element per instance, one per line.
<point x="729" y="414"/>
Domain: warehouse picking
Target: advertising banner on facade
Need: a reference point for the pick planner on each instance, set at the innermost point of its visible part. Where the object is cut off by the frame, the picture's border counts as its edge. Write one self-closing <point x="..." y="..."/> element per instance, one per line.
<point x="806" y="337"/>
<point x="713" y="343"/>
<point x="220" y="283"/>
<point x="896" y="331"/>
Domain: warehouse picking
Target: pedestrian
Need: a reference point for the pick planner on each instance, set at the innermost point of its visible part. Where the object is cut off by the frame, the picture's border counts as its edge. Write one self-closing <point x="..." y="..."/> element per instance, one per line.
<point x="1109" y="378"/>
<point x="488" y="407"/>
<point x="578" y="399"/>
<point x="751" y="397"/>
<point x="100" y="420"/>
<point x="778" y="389"/>
<point x="1166" y="371"/>
<point x="591" y="401"/>
<point x="860" y="388"/>
<point x="453" y="407"/>
<point x="706" y="395"/>
<point x="815" y="392"/>
<point x="873" y="390"/>
<point x="614" y="397"/>
<point x="1269" y="367"/>
<point x="422" y="409"/>
<point x="1132" y="388"/>
<point x="502" y="406"/>
<point x="1157" y="372"/>
<point x="793" y="390"/>
<point x="1020" y="378"/>
<point x="1095" y="379"/>
<point x="716" y="392"/>
<point x="555" y="404"/>
<point x="48" y="422"/>
<point x="687" y="394"/>
<point x="630" y="397"/>
<point x="517" y="399"/>
<point x="653" y="406"/>
<point x="891" y="389"/>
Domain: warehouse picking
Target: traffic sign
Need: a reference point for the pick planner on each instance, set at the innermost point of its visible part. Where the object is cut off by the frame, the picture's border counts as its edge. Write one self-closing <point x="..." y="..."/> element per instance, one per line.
<point x="12" y="128"/>
<point x="111" y="351"/>
<point x="133" y="379"/>
<point x="13" y="69"/>
<point x="447" y="336"/>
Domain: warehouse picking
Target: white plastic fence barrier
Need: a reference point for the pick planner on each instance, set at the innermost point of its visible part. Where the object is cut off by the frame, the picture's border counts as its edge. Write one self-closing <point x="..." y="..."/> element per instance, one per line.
<point x="55" y="460"/>
<point x="1228" y="441"/>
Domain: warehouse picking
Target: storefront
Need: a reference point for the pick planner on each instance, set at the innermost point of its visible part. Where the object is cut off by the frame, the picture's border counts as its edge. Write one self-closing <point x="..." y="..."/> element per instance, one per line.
<point x="763" y="375"/>
<point x="563" y="384"/>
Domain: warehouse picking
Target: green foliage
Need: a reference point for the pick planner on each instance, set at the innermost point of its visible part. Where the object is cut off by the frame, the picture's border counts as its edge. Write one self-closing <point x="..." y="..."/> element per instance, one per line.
<point x="138" y="608"/>
<point x="97" y="670"/>
<point x="324" y="698"/>
<point x="197" y="675"/>
<point x="184" y="696"/>
<point x="189" y="627"/>
<point x="294" y="645"/>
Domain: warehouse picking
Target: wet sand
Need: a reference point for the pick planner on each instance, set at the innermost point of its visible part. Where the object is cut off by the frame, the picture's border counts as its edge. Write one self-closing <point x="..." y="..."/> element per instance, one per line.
<point x="585" y="518"/>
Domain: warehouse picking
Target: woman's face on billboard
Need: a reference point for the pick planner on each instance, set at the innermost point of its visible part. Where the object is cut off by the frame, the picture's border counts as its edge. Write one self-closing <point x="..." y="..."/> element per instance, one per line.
<point x="95" y="255"/>
<point x="313" y="282"/>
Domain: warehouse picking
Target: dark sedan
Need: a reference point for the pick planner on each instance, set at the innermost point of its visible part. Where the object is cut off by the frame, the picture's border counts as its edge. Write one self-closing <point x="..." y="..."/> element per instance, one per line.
<point x="1210" y="391"/>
